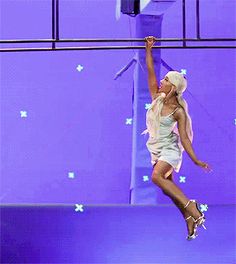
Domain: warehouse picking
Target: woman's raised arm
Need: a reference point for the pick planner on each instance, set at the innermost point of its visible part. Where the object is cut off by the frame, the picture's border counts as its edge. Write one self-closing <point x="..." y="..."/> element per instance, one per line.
<point x="152" y="81"/>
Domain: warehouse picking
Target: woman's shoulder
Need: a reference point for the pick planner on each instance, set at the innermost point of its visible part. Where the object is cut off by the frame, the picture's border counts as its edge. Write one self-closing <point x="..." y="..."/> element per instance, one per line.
<point x="180" y="107"/>
<point x="180" y="112"/>
<point x="176" y="107"/>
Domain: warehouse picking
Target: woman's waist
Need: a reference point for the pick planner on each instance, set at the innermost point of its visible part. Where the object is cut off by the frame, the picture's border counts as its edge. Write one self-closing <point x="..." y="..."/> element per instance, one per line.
<point x="164" y="140"/>
<point x="167" y="136"/>
<point x="154" y="146"/>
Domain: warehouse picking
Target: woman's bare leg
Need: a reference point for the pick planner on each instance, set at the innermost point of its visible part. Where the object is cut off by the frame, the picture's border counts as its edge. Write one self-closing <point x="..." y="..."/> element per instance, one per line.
<point x="182" y="210"/>
<point x="190" y="223"/>
<point x="172" y="190"/>
<point x="167" y="186"/>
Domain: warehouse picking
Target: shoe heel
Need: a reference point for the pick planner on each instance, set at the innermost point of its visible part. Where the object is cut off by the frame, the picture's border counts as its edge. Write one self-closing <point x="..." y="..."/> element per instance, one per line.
<point x="202" y="221"/>
<point x="201" y="217"/>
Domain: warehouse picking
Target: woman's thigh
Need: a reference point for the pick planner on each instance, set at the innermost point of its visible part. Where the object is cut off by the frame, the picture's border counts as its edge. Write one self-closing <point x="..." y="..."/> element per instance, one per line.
<point x="162" y="169"/>
<point x="170" y="176"/>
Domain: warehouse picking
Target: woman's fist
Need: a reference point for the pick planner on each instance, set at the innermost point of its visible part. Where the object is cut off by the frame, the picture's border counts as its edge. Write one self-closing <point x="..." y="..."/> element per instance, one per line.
<point x="150" y="41"/>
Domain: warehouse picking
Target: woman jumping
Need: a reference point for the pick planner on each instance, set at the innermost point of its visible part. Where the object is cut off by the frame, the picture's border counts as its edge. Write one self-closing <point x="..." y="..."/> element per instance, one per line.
<point x="166" y="142"/>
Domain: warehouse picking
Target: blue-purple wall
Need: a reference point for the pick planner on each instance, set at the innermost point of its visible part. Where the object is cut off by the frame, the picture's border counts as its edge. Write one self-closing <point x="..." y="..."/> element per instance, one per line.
<point x="77" y="120"/>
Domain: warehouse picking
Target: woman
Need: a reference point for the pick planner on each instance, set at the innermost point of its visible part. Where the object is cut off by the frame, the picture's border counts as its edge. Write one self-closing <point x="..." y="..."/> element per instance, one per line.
<point x="166" y="143"/>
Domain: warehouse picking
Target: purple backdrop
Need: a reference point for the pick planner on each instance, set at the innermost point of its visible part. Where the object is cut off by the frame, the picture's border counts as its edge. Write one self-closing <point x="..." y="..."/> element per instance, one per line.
<point x="64" y="131"/>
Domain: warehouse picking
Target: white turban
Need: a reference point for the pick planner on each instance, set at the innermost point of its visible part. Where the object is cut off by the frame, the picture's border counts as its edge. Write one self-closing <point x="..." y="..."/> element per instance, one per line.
<point x="177" y="79"/>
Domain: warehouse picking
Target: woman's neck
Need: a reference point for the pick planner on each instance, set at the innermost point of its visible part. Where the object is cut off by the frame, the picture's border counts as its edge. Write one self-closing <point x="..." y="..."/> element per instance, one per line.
<point x="171" y="100"/>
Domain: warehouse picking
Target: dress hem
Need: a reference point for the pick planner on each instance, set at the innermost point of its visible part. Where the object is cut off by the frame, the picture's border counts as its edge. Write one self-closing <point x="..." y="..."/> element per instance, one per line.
<point x="173" y="167"/>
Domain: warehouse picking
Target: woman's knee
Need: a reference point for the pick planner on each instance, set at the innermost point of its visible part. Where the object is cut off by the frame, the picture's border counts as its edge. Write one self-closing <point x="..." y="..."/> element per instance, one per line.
<point x="160" y="171"/>
<point x="157" y="178"/>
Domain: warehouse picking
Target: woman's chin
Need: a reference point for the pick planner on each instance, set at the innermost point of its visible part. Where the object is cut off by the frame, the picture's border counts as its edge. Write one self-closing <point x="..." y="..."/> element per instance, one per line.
<point x="162" y="91"/>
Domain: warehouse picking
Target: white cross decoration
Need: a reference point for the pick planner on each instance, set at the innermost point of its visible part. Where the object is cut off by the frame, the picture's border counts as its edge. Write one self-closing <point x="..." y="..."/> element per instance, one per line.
<point x="129" y="121"/>
<point x="80" y="68"/>
<point x="23" y="113"/>
<point x="145" y="178"/>
<point x="147" y="106"/>
<point x="71" y="175"/>
<point x="184" y="71"/>
<point x="203" y="207"/>
<point x="182" y="179"/>
<point x="79" y="207"/>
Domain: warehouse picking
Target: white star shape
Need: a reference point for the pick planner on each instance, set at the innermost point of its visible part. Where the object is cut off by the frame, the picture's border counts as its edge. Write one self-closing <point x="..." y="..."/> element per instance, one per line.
<point x="129" y="121"/>
<point x="145" y="178"/>
<point x="80" y="68"/>
<point x="79" y="207"/>
<point x="184" y="71"/>
<point x="182" y="179"/>
<point x="23" y="113"/>
<point x="147" y="106"/>
<point x="71" y="175"/>
<point x="203" y="207"/>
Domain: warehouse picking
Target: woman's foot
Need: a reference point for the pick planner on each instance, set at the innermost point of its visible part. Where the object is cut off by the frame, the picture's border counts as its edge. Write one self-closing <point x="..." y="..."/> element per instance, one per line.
<point x="195" y="216"/>
<point x="191" y="227"/>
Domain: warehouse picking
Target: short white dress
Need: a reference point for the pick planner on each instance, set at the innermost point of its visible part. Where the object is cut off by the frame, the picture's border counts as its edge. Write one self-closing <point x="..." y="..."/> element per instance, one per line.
<point x="166" y="146"/>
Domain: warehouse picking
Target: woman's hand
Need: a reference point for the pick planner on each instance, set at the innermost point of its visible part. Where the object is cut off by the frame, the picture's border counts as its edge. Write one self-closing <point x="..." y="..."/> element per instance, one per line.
<point x="204" y="165"/>
<point x="150" y="41"/>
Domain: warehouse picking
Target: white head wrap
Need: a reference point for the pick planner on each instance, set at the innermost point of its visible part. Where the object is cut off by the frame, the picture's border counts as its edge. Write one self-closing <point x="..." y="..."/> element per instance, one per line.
<point x="178" y="80"/>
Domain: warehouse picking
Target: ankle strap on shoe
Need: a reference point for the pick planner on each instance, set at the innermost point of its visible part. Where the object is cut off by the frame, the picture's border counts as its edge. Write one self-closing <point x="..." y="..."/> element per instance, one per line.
<point x="188" y="217"/>
<point x="187" y="203"/>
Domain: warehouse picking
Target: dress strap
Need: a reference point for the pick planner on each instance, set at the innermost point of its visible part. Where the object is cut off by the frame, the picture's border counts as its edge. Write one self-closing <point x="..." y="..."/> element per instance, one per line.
<point x="173" y="111"/>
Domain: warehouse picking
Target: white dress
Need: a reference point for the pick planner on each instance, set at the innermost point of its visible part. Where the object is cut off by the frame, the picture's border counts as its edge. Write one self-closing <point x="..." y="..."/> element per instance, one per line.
<point x="165" y="144"/>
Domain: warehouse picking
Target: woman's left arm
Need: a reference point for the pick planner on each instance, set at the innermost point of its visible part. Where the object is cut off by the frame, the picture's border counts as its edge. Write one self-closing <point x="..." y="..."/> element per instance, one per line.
<point x="181" y="118"/>
<point x="185" y="141"/>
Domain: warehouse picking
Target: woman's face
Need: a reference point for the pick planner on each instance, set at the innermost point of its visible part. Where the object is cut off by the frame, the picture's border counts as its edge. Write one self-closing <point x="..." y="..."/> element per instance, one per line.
<point x="165" y="85"/>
